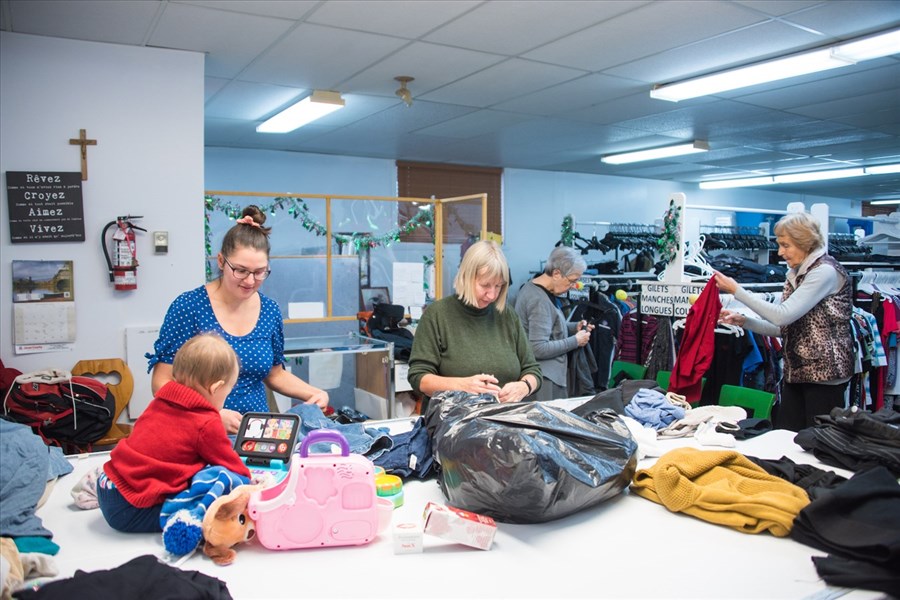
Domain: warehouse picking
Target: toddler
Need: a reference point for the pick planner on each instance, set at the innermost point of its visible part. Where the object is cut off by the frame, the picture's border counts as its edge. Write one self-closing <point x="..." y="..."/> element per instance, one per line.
<point x="179" y="434"/>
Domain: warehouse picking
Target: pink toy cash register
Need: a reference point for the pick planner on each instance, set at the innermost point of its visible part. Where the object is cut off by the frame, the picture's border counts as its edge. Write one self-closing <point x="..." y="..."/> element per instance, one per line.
<point x="326" y="500"/>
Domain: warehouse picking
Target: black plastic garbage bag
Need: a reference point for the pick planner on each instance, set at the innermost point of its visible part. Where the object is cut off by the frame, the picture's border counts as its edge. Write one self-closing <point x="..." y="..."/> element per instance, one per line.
<point x="526" y="462"/>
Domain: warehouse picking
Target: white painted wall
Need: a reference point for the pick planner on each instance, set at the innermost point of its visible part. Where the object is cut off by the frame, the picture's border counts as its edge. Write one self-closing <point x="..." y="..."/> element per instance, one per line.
<point x="145" y="108"/>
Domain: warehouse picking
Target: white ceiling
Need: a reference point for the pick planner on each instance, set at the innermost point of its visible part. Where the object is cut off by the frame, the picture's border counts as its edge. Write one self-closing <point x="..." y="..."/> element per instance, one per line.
<point x="526" y="84"/>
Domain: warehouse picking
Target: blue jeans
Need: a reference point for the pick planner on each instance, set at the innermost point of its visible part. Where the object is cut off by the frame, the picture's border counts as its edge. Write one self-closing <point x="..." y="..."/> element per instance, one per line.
<point x="416" y="442"/>
<point x="121" y="515"/>
<point x="367" y="441"/>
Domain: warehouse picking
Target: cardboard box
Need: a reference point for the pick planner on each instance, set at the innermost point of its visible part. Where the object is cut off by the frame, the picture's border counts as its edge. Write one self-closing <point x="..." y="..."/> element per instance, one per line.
<point x="407" y="538"/>
<point x="459" y="526"/>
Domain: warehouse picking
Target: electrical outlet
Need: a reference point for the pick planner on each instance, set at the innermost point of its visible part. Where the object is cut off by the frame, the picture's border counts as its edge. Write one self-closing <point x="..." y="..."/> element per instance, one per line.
<point x="161" y="242"/>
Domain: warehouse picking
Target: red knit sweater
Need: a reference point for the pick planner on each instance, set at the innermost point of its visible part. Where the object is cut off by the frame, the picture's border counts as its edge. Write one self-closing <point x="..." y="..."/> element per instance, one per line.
<point x="698" y="343"/>
<point x="176" y="436"/>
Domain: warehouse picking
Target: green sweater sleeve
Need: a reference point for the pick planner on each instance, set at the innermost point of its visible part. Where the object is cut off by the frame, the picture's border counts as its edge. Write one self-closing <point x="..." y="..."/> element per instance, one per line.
<point x="455" y="340"/>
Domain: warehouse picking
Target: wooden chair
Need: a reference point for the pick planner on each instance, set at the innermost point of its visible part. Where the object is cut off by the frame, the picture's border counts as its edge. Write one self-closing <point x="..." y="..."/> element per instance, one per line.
<point x="757" y="402"/>
<point x="121" y="392"/>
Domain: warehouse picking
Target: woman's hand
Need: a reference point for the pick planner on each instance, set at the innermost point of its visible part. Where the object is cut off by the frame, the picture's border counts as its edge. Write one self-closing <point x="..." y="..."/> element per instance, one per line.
<point x="480" y="384"/>
<point x="725" y="284"/>
<point x="514" y="391"/>
<point x="730" y="317"/>
<point x="319" y="398"/>
<point x="583" y="336"/>
<point x="231" y="419"/>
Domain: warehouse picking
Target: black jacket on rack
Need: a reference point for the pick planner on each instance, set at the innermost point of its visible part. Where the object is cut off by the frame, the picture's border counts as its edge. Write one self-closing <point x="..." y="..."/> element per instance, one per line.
<point x="606" y="319"/>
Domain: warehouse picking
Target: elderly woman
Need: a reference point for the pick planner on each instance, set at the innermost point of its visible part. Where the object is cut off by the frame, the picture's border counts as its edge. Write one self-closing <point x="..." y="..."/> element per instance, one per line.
<point x="813" y="321"/>
<point x="540" y="310"/>
<point x="472" y="341"/>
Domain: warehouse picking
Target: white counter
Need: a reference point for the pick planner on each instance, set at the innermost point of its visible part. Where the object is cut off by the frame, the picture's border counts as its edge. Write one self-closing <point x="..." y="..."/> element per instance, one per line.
<point x="627" y="547"/>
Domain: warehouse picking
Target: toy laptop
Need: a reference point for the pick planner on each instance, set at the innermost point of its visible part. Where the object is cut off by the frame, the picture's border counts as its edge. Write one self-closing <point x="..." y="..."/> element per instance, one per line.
<point x="326" y="500"/>
<point x="265" y="442"/>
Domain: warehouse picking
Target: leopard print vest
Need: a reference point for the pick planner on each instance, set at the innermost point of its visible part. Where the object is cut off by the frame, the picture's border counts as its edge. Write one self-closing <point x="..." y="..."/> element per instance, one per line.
<point x="818" y="346"/>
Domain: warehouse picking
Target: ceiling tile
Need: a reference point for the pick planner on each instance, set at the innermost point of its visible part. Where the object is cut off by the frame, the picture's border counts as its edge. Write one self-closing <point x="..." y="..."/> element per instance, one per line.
<point x="777" y="8"/>
<point x="861" y="103"/>
<point x="839" y="19"/>
<point x="611" y="43"/>
<point x="572" y="95"/>
<point x="417" y="60"/>
<point x="94" y="20"/>
<point x="474" y="124"/>
<point x="250" y="101"/>
<point x="409" y="19"/>
<point x="501" y="82"/>
<point x="512" y="28"/>
<point x="295" y="9"/>
<point x="230" y="40"/>
<point x="317" y="57"/>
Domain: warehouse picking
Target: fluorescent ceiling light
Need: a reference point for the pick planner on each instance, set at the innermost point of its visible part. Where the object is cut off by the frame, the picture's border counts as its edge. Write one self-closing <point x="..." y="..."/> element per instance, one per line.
<point x="883" y="169"/>
<point x="894" y="201"/>
<point x="841" y="55"/>
<point x="800" y="177"/>
<point x="654" y="153"/>
<point x="819" y="175"/>
<point x="884" y="44"/>
<point x="314" y="106"/>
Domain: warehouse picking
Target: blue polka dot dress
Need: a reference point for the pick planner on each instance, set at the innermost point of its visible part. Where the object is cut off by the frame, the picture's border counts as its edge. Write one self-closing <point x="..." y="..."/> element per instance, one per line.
<point x="258" y="351"/>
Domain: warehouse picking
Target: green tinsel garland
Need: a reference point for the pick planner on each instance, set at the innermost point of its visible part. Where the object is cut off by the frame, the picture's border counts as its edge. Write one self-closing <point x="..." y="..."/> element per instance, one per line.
<point x="298" y="209"/>
<point x="568" y="233"/>
<point x="668" y="241"/>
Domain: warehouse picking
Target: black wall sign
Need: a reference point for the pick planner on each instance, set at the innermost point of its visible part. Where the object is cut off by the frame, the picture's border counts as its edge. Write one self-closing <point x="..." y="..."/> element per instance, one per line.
<point x="44" y="207"/>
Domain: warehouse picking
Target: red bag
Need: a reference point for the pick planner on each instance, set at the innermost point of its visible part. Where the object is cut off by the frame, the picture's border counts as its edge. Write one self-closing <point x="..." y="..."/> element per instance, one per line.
<point x="66" y="411"/>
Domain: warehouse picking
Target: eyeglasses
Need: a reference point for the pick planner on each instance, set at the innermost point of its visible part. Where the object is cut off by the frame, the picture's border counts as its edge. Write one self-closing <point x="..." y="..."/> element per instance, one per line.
<point x="242" y="274"/>
<point x="573" y="281"/>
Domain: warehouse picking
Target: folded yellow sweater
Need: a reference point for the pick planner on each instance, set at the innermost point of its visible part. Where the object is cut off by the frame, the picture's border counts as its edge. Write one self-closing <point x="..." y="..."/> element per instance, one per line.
<point x="722" y="487"/>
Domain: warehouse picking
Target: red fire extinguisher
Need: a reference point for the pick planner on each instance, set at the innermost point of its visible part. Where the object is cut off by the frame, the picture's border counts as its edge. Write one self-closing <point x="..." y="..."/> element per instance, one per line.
<point x="123" y="266"/>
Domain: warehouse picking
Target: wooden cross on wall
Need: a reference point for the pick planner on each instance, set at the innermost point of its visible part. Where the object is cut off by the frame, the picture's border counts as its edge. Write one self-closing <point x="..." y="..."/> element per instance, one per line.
<point x="84" y="143"/>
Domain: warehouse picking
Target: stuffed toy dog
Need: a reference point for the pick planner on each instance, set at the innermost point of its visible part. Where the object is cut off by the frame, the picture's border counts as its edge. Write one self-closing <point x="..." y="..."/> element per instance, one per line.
<point x="227" y="523"/>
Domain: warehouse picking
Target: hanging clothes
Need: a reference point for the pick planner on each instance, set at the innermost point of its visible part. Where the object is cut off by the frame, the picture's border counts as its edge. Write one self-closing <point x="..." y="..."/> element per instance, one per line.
<point x="697" y="348"/>
<point x="727" y="365"/>
<point x="629" y="348"/>
<point x="607" y="320"/>
<point x="662" y="351"/>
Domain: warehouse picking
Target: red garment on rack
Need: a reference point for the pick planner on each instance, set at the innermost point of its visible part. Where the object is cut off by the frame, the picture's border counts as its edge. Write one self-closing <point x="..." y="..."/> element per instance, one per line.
<point x="888" y="327"/>
<point x="697" y="347"/>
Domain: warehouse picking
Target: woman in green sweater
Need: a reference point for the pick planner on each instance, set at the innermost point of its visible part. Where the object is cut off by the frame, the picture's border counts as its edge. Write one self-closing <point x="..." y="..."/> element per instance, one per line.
<point x="470" y="341"/>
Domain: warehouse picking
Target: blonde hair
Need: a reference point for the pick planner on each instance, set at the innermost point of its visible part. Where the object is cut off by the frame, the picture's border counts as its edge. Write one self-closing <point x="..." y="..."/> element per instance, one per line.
<point x="203" y="360"/>
<point x="803" y="229"/>
<point x="482" y="259"/>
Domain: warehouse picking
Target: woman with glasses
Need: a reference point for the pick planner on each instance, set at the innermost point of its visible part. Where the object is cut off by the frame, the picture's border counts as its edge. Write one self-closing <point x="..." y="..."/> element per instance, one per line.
<point x="540" y="310"/>
<point x="250" y="322"/>
<point x="471" y="341"/>
<point x="812" y="320"/>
